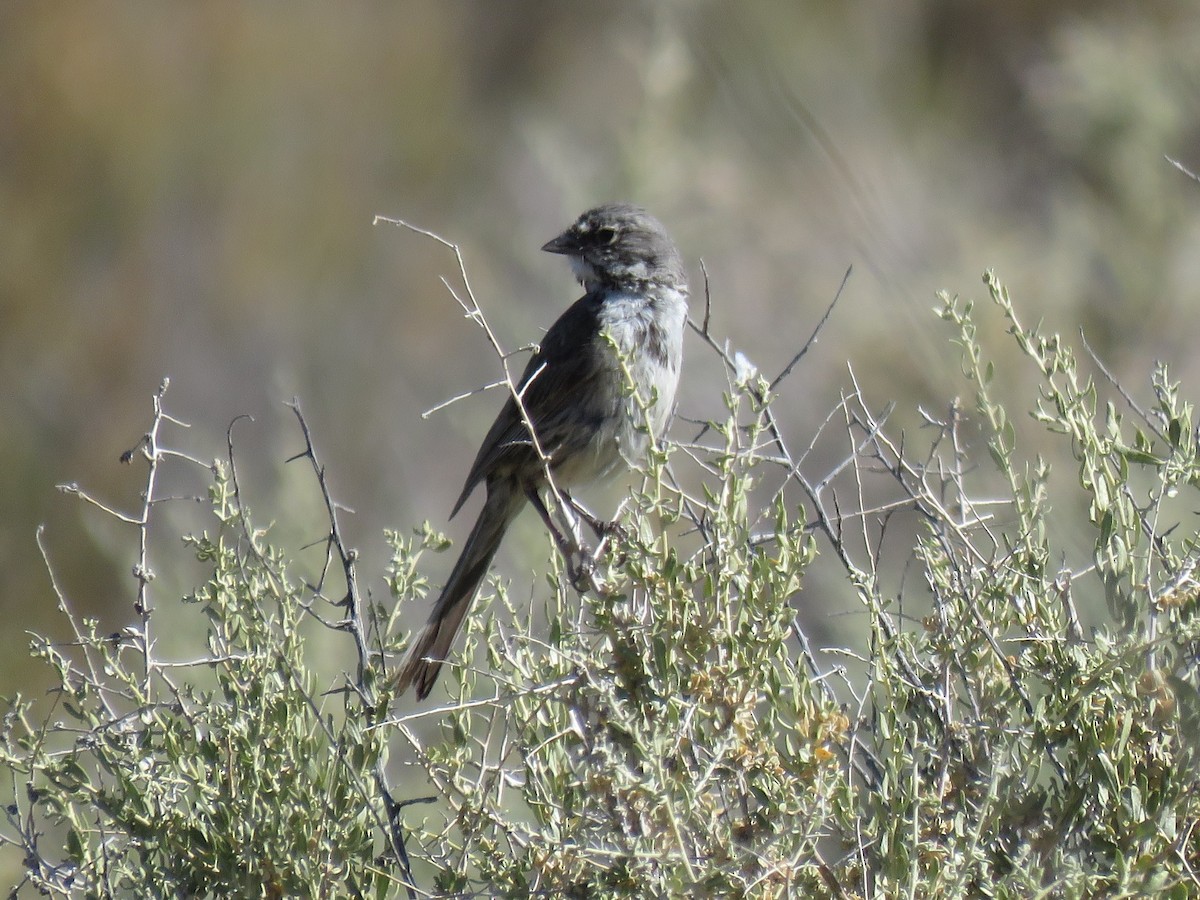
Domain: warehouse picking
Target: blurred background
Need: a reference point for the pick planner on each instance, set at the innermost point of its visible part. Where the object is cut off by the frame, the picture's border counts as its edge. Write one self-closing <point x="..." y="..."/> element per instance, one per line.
<point x="188" y="191"/>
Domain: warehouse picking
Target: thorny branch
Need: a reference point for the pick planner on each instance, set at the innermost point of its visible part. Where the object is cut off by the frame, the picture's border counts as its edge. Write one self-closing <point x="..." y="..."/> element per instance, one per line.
<point x="347" y="557"/>
<point x="354" y="623"/>
<point x="153" y="453"/>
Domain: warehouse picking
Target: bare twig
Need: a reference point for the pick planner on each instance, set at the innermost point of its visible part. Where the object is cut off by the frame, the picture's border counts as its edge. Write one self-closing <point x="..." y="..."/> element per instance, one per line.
<point x="347" y="558"/>
<point x="1182" y="168"/>
<point x="812" y="338"/>
<point x="152" y="451"/>
<point x="354" y="623"/>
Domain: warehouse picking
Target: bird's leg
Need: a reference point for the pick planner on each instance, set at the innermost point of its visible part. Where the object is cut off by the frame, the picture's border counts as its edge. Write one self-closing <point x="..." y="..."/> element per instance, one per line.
<point x="603" y="528"/>
<point x="564" y="546"/>
<point x="580" y="565"/>
<point x="598" y="526"/>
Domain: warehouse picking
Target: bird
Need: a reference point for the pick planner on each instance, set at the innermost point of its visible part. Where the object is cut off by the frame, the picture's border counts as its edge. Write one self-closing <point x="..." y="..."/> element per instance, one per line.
<point x="625" y="332"/>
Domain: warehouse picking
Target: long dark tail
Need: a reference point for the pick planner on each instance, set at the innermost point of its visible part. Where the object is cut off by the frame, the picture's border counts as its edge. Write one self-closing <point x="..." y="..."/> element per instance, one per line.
<point x="431" y="647"/>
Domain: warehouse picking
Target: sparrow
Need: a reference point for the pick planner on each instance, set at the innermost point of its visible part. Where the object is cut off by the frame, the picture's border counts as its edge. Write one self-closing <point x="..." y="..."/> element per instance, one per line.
<point x="625" y="332"/>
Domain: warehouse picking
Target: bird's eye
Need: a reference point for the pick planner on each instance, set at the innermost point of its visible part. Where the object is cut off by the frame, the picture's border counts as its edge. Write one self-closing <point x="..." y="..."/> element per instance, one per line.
<point x="606" y="235"/>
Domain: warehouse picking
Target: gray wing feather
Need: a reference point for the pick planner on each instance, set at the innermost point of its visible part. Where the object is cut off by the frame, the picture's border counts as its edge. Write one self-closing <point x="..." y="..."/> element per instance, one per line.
<point x="557" y="378"/>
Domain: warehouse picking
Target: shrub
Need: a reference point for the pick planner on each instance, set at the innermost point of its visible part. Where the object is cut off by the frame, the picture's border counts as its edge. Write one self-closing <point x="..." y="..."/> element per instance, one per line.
<point x="670" y="730"/>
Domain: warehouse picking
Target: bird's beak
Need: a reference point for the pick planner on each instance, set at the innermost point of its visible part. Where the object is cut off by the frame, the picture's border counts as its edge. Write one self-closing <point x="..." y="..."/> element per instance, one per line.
<point x="565" y="243"/>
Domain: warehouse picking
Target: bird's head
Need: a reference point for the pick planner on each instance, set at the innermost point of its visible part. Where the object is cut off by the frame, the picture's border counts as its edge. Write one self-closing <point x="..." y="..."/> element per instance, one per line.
<point x="619" y="245"/>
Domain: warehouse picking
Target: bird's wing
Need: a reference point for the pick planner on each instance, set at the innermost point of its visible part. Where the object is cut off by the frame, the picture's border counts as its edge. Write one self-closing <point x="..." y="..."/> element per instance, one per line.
<point x="553" y="389"/>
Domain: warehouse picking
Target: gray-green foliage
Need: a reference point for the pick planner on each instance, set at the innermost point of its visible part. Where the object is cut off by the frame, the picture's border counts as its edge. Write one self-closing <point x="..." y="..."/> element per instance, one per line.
<point x="1017" y="721"/>
<point x="670" y="742"/>
<point x="1051" y="759"/>
<point x="231" y="774"/>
